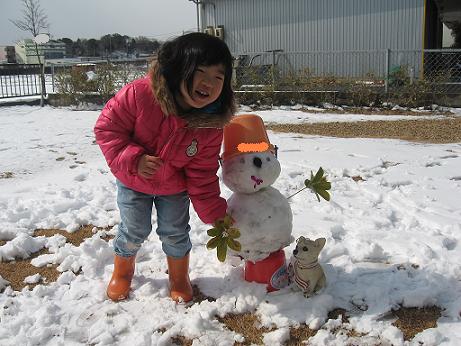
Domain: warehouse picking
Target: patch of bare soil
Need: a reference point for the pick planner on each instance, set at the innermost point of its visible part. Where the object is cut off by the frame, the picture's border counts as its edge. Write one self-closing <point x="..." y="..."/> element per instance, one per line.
<point x="6" y="175"/>
<point x="181" y="341"/>
<point x="412" y="321"/>
<point x="199" y="296"/>
<point x="247" y="325"/>
<point x="298" y="336"/>
<point x="379" y="111"/>
<point x="425" y="131"/>
<point x="75" y="238"/>
<point x="16" y="271"/>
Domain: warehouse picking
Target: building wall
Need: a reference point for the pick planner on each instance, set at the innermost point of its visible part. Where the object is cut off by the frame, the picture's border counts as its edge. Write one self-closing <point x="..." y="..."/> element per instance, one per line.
<point x="3" y="58"/>
<point x="26" y="53"/>
<point x="317" y="25"/>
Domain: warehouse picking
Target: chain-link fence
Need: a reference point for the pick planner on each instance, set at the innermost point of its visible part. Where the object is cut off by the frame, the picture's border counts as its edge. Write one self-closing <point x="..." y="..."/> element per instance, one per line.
<point x="406" y="77"/>
<point x="384" y="70"/>
<point x="98" y="77"/>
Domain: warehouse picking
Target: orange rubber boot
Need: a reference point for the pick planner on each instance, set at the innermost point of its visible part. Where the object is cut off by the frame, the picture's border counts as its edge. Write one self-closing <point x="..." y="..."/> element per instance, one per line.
<point x="178" y="272"/>
<point x="120" y="283"/>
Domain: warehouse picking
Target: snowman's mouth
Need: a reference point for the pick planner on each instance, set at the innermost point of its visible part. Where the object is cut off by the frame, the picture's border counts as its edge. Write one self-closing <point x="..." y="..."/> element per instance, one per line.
<point x="258" y="181"/>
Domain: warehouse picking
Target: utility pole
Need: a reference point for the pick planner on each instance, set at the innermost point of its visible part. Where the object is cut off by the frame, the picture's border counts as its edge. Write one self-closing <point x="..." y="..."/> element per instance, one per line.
<point x="197" y="3"/>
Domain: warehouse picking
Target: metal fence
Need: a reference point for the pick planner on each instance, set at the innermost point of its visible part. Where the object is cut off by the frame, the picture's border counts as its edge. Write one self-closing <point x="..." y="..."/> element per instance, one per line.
<point x="124" y="71"/>
<point x="278" y="71"/>
<point x="19" y="80"/>
<point x="297" y="71"/>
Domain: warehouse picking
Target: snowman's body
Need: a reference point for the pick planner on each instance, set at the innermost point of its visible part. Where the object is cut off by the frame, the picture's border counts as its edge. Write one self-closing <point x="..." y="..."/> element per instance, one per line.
<point x="264" y="219"/>
<point x="261" y="212"/>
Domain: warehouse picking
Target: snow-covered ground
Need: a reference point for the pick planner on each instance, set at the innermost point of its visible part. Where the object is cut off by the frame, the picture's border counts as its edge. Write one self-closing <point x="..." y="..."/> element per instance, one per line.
<point x="393" y="239"/>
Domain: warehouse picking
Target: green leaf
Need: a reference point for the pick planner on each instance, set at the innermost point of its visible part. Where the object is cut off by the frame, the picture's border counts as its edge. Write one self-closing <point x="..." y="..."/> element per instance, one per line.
<point x="234" y="244"/>
<point x="324" y="185"/>
<point x="324" y="194"/>
<point x="227" y="221"/>
<point x="213" y="232"/>
<point x="213" y="242"/>
<point x="222" y="249"/>
<point x="219" y="224"/>
<point x="233" y="233"/>
<point x="319" y="174"/>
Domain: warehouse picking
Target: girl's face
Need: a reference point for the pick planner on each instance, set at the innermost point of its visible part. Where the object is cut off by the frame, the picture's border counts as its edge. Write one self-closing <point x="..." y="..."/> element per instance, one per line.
<point x="207" y="85"/>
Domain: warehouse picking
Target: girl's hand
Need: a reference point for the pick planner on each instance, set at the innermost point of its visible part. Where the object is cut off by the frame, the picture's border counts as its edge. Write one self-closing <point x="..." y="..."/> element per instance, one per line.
<point x="148" y="165"/>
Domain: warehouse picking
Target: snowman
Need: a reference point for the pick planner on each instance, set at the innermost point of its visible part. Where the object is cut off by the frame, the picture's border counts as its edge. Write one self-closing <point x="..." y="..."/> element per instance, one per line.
<point x="261" y="212"/>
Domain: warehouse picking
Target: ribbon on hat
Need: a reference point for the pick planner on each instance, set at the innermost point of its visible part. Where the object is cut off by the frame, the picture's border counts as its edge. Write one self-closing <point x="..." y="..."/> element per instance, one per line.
<point x="253" y="147"/>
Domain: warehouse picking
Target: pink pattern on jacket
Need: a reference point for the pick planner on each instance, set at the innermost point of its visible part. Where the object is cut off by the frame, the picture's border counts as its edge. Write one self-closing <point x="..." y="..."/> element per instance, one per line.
<point x="132" y="124"/>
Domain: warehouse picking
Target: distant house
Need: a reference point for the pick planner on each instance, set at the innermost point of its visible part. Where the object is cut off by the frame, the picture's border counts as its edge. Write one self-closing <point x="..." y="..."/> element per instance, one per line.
<point x="3" y="55"/>
<point x="27" y="54"/>
<point x="7" y="54"/>
<point x="320" y="26"/>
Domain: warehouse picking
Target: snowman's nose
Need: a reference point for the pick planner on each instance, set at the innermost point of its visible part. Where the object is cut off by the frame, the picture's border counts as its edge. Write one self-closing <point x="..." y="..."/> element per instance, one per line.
<point x="257" y="162"/>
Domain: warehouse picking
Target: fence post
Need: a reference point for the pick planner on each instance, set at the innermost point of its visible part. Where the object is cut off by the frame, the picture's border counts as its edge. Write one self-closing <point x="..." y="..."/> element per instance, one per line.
<point x="52" y="77"/>
<point x="43" y="85"/>
<point x="386" y="71"/>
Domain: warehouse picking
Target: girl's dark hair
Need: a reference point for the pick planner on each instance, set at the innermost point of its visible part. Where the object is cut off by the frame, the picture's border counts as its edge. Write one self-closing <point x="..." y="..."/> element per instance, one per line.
<point x="179" y="58"/>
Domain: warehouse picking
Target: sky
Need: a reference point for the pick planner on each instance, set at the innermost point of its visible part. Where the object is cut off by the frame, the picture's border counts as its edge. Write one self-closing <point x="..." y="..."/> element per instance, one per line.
<point x="393" y="238"/>
<point x="159" y="19"/>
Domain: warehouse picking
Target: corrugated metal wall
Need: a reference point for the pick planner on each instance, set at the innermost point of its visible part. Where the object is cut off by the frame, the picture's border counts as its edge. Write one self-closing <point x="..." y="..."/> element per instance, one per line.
<point x="317" y="25"/>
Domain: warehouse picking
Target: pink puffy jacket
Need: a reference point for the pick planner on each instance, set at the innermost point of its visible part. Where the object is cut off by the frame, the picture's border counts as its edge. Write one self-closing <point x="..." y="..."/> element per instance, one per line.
<point x="132" y="124"/>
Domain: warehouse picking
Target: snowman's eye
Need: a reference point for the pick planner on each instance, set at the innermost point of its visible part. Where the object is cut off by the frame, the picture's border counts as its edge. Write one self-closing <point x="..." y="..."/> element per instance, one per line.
<point x="268" y="159"/>
<point x="305" y="248"/>
<point x="242" y="160"/>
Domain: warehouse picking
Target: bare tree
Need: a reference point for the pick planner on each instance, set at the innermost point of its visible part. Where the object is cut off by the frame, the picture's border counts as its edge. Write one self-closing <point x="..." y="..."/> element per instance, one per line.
<point x="34" y="20"/>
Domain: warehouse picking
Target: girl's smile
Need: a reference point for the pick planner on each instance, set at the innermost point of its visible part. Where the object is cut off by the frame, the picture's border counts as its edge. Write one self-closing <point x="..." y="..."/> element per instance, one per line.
<point x="207" y="85"/>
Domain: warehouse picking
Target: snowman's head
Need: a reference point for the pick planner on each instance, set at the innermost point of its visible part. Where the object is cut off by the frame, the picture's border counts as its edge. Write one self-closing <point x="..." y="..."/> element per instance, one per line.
<point x="251" y="172"/>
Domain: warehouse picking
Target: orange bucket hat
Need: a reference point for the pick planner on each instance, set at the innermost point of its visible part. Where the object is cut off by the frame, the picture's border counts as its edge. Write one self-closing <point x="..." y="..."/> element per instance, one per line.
<point x="245" y="133"/>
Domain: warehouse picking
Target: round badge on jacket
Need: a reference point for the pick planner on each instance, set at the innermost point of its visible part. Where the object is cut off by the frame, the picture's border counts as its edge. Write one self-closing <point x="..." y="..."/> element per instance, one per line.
<point x="192" y="148"/>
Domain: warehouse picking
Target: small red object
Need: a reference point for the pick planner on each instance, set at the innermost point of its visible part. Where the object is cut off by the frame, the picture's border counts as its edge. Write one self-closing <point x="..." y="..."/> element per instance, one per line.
<point x="271" y="271"/>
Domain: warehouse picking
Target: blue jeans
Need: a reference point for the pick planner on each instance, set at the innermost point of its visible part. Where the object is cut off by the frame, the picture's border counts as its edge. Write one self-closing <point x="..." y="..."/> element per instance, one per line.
<point x="135" y="225"/>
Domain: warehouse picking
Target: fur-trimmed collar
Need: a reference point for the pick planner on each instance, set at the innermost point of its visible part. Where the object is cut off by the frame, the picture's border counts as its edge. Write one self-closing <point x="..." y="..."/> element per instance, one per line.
<point x="165" y="99"/>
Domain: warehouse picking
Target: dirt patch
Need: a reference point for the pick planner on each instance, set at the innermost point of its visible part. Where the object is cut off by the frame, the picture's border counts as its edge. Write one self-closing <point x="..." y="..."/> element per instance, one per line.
<point x="16" y="271"/>
<point x="412" y="321"/>
<point x="6" y="175"/>
<point x="247" y="325"/>
<point x="199" y="296"/>
<point x="425" y="131"/>
<point x="181" y="341"/>
<point x="298" y="336"/>
<point x="378" y="111"/>
<point x="75" y="238"/>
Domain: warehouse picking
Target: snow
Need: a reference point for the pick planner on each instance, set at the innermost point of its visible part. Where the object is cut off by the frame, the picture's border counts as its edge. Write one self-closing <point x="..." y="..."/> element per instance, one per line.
<point x="392" y="239"/>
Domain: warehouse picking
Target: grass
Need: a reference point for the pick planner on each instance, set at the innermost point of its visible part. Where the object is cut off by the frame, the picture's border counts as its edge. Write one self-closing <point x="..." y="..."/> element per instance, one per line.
<point x="425" y="131"/>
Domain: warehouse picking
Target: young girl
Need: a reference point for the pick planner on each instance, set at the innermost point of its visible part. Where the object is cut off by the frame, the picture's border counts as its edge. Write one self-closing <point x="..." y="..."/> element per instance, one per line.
<point x="161" y="137"/>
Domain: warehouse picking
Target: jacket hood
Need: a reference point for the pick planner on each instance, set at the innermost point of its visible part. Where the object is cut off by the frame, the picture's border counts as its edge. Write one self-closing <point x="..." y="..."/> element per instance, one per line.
<point x="165" y="99"/>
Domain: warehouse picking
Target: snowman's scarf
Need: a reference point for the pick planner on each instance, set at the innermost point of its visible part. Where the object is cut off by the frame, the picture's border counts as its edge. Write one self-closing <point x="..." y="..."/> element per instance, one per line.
<point x="257" y="180"/>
